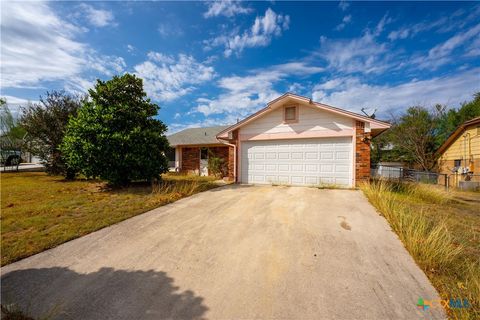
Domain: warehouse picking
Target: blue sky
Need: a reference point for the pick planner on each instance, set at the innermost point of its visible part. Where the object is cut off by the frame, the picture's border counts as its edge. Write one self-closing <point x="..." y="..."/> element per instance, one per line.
<point x="209" y="63"/>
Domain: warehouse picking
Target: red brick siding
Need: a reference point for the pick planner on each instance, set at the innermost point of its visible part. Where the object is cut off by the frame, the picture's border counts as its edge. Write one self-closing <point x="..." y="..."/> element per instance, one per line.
<point x="231" y="157"/>
<point x="362" y="153"/>
<point x="190" y="160"/>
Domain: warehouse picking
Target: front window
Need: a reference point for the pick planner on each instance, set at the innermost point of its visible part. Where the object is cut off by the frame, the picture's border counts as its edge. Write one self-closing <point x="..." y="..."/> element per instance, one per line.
<point x="204" y="153"/>
<point x="290" y="114"/>
<point x="457" y="163"/>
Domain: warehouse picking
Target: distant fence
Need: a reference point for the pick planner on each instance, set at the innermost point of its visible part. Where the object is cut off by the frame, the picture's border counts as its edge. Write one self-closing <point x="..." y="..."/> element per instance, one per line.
<point x="462" y="181"/>
<point x="405" y="174"/>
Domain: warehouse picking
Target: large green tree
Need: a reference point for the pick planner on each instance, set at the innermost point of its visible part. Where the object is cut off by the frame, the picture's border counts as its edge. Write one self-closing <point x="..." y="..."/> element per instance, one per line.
<point x="45" y="123"/>
<point x="413" y="136"/>
<point x="450" y="119"/>
<point x="416" y="135"/>
<point x="115" y="135"/>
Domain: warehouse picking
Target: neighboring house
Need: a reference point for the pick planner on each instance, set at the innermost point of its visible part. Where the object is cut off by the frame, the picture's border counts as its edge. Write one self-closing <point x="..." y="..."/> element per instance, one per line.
<point x="460" y="153"/>
<point x="293" y="140"/>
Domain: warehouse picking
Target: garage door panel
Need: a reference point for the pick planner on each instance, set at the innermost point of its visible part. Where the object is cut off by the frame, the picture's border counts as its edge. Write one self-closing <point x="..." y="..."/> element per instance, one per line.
<point x="271" y="168"/>
<point x="297" y="156"/>
<point x="259" y="167"/>
<point x="344" y="181"/>
<point x="326" y="155"/>
<point x="283" y="179"/>
<point x="271" y="155"/>
<point x="297" y="180"/>
<point x="327" y="180"/>
<point x="298" y="161"/>
<point x="311" y="155"/>
<point x="296" y="167"/>
<point x="326" y="168"/>
<point x="311" y="180"/>
<point x="342" y="155"/>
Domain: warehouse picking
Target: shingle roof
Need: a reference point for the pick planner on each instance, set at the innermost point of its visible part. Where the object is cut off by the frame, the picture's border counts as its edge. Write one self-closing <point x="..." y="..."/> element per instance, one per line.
<point x="196" y="136"/>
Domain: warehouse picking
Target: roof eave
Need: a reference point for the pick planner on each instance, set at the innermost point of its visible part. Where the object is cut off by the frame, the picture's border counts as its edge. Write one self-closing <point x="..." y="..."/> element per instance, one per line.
<point x="378" y="123"/>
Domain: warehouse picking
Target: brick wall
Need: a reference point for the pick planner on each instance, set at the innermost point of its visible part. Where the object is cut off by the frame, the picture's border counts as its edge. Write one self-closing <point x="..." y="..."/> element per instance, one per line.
<point x="362" y="152"/>
<point x="191" y="160"/>
<point x="231" y="157"/>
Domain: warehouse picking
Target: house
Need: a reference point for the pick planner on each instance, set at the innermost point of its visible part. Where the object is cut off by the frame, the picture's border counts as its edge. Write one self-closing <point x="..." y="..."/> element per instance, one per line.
<point x="193" y="146"/>
<point x="293" y="140"/>
<point x="460" y="153"/>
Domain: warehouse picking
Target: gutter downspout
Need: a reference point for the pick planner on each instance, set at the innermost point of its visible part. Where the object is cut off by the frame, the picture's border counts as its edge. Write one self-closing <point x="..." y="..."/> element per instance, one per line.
<point x="234" y="158"/>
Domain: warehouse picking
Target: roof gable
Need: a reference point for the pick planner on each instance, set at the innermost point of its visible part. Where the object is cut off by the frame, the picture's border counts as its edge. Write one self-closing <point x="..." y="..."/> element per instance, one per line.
<point x="457" y="133"/>
<point x="296" y="99"/>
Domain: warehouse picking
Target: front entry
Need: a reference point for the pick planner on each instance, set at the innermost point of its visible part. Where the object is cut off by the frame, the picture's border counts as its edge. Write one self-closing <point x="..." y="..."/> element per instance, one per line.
<point x="204" y="161"/>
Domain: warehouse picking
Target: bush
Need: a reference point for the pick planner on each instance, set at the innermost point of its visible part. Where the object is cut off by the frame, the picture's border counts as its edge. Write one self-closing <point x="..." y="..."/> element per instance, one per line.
<point x="115" y="136"/>
<point x="217" y="166"/>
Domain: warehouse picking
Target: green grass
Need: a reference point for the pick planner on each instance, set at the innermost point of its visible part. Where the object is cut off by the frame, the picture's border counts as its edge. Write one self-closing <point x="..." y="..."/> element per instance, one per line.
<point x="441" y="231"/>
<point x="39" y="212"/>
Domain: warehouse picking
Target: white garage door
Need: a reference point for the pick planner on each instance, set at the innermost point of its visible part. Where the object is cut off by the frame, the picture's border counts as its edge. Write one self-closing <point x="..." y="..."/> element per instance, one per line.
<point x="298" y="161"/>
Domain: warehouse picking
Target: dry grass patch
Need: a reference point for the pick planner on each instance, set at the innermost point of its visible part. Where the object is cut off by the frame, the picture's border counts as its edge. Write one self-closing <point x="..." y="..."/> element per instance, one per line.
<point x="39" y="212"/>
<point x="440" y="232"/>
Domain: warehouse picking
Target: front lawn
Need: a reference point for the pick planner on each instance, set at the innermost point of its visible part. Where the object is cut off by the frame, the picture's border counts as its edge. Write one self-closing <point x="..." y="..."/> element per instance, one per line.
<point x="442" y="233"/>
<point x="41" y="211"/>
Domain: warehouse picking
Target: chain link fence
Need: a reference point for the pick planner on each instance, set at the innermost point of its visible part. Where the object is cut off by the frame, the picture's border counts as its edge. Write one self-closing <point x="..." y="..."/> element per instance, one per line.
<point x="454" y="180"/>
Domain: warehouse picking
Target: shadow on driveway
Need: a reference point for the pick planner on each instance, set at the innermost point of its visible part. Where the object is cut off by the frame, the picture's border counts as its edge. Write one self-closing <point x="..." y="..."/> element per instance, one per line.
<point x="105" y="294"/>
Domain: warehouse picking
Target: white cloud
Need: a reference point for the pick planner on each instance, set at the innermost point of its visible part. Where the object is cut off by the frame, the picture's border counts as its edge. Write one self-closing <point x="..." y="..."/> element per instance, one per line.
<point x="97" y="17"/>
<point x="473" y="49"/>
<point x="343" y="5"/>
<point x="346" y="20"/>
<point x="168" y="30"/>
<point x="454" y="21"/>
<point x="15" y="104"/>
<point x="225" y="8"/>
<point x="363" y="54"/>
<point x="381" y="24"/>
<point x="167" y="78"/>
<point x="130" y="48"/>
<point x="242" y="95"/>
<point x="443" y="53"/>
<point x="208" y="122"/>
<point x="259" y="35"/>
<point x="353" y="94"/>
<point x="160" y="57"/>
<point x="39" y="46"/>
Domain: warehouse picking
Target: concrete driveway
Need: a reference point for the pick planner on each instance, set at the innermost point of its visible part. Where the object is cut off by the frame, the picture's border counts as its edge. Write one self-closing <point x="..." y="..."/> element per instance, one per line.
<point x="237" y="252"/>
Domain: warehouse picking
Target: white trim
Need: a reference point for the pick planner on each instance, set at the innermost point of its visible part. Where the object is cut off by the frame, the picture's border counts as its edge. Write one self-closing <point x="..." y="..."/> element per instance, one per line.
<point x="354" y="154"/>
<point x="178" y="158"/>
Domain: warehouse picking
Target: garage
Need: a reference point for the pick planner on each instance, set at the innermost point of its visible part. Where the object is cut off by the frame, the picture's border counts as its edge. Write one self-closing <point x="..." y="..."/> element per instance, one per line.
<point x="297" y="141"/>
<point x="303" y="162"/>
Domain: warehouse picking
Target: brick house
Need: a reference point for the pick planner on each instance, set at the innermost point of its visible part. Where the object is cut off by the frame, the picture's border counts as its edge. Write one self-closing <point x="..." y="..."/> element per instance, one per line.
<point x="293" y="140"/>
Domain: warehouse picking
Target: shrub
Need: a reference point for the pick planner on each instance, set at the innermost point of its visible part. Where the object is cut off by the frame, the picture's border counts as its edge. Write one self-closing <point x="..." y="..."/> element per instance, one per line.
<point x="115" y="136"/>
<point x="217" y="166"/>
